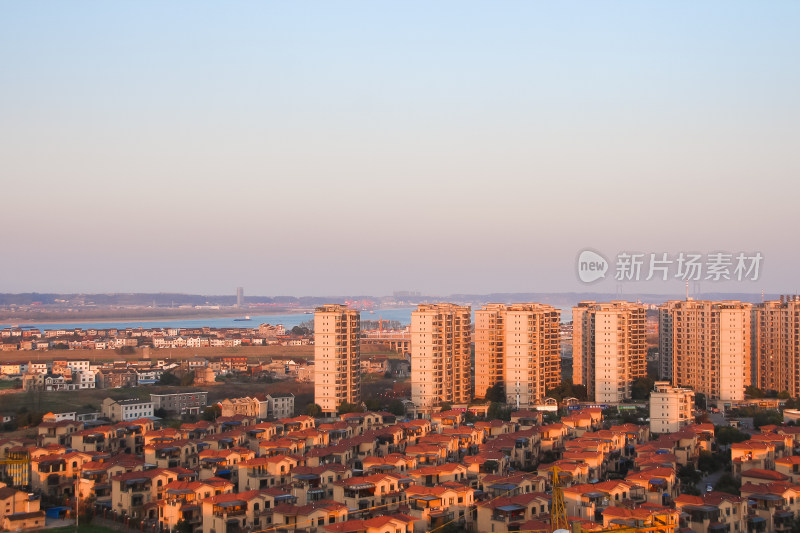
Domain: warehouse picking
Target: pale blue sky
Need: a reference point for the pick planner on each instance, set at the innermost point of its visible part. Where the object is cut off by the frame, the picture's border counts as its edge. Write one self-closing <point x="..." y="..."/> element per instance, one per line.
<point x="363" y="147"/>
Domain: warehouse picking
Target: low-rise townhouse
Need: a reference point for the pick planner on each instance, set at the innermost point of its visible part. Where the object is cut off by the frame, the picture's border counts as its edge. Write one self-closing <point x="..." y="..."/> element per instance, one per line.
<point x="223" y="463"/>
<point x="287" y="517"/>
<point x="315" y="483"/>
<point x="434" y="506"/>
<point x="713" y="512"/>
<point x="177" y="453"/>
<point x="365" y="492"/>
<point x="55" y="475"/>
<point x="790" y="467"/>
<point x="775" y="505"/>
<point x="438" y="474"/>
<point x="660" y="484"/>
<point x="238" y="511"/>
<point x="131" y="491"/>
<point x="392" y="523"/>
<point x="505" y="513"/>
<point x="752" y="454"/>
<point x="587" y="501"/>
<point x="182" y="502"/>
<point x="266" y="472"/>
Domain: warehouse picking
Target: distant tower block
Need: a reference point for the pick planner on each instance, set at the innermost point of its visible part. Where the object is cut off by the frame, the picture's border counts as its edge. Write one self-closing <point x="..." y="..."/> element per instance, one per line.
<point x="239" y="296"/>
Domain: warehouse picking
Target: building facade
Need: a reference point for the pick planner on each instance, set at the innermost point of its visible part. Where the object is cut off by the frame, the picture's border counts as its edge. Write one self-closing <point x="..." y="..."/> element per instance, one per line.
<point x="665" y="341"/>
<point x="441" y="365"/>
<point x="337" y="357"/>
<point x="776" y="345"/>
<point x="517" y="345"/>
<point x="180" y="403"/>
<point x="711" y="347"/>
<point x="670" y="408"/>
<point x="609" y="348"/>
<point x="121" y="410"/>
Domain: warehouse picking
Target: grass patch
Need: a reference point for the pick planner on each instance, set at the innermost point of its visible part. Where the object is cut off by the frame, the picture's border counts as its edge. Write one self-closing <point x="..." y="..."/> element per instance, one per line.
<point x="88" y="528"/>
<point x="88" y="400"/>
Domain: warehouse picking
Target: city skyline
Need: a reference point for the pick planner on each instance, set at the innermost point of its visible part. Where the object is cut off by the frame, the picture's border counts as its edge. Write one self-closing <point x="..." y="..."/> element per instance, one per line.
<point x="447" y="148"/>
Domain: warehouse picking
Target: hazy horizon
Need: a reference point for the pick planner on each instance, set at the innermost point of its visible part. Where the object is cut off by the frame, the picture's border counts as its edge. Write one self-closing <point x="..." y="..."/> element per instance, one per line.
<point x="362" y="148"/>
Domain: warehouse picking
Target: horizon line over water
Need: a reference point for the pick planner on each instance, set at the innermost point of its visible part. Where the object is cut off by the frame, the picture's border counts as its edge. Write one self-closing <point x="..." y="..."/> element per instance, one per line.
<point x="288" y="320"/>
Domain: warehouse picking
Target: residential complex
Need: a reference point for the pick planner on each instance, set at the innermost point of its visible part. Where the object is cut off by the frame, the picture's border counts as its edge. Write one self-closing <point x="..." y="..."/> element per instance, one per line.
<point x="711" y="346"/>
<point x="19" y="338"/>
<point x="609" y="349"/>
<point x="517" y="346"/>
<point x="441" y="361"/>
<point x="776" y="345"/>
<point x="256" y="467"/>
<point x="337" y="361"/>
<point x="670" y="408"/>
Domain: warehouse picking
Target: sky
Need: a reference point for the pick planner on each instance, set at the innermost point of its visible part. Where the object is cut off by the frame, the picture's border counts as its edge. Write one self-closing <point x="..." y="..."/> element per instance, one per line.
<point x="329" y="148"/>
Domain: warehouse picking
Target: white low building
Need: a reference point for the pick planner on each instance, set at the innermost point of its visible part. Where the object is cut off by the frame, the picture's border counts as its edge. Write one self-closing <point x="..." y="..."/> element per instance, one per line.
<point x="670" y="408"/>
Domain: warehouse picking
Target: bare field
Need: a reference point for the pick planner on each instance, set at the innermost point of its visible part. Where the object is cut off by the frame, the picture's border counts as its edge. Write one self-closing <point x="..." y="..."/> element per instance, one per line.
<point x="252" y="352"/>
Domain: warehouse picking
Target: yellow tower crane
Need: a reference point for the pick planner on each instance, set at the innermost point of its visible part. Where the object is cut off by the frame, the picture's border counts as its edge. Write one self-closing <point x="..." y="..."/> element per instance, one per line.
<point x="558" y="511"/>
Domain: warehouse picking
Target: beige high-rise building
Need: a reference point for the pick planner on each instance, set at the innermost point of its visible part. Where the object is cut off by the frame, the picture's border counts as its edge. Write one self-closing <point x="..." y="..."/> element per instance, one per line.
<point x="776" y="345"/>
<point x="609" y="349"/>
<point x="441" y="368"/>
<point x="337" y="358"/>
<point x="517" y="345"/>
<point x="710" y="347"/>
<point x="670" y="408"/>
<point x="665" y="341"/>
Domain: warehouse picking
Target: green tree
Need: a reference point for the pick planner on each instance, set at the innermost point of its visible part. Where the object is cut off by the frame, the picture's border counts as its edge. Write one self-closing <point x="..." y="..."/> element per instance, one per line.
<point x="496" y="393"/>
<point x="313" y="410"/>
<point x="641" y="388"/>
<point x="211" y="412"/>
<point x="753" y="391"/>
<point x="445" y="406"/>
<point x="346" y="407"/>
<point x="567" y="390"/>
<point x="160" y="412"/>
<point x="372" y="404"/>
<point x="184" y="526"/>
<point x="700" y="400"/>
<point x="169" y="379"/>
<point x="690" y="489"/>
<point x="187" y="379"/>
<point x="766" y="418"/>
<point x="726" y="435"/>
<point x="710" y="462"/>
<point x="498" y="411"/>
<point x="784" y="395"/>
<point x="689" y="475"/>
<point x="396" y="407"/>
<point x="728" y="483"/>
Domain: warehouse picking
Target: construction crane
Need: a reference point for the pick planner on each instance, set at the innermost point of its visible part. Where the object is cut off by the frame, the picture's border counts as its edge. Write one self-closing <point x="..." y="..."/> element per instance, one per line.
<point x="558" y="511"/>
<point x="662" y="523"/>
<point x="659" y="523"/>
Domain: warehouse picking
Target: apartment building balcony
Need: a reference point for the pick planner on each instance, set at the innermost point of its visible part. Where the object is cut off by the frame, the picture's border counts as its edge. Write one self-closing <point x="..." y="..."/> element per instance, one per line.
<point x="509" y="513"/>
<point x="756" y="524"/>
<point x="228" y="509"/>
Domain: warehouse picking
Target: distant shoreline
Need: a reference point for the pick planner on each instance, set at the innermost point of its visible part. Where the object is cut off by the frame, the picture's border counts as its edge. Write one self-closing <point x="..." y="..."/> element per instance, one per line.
<point x="69" y="318"/>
